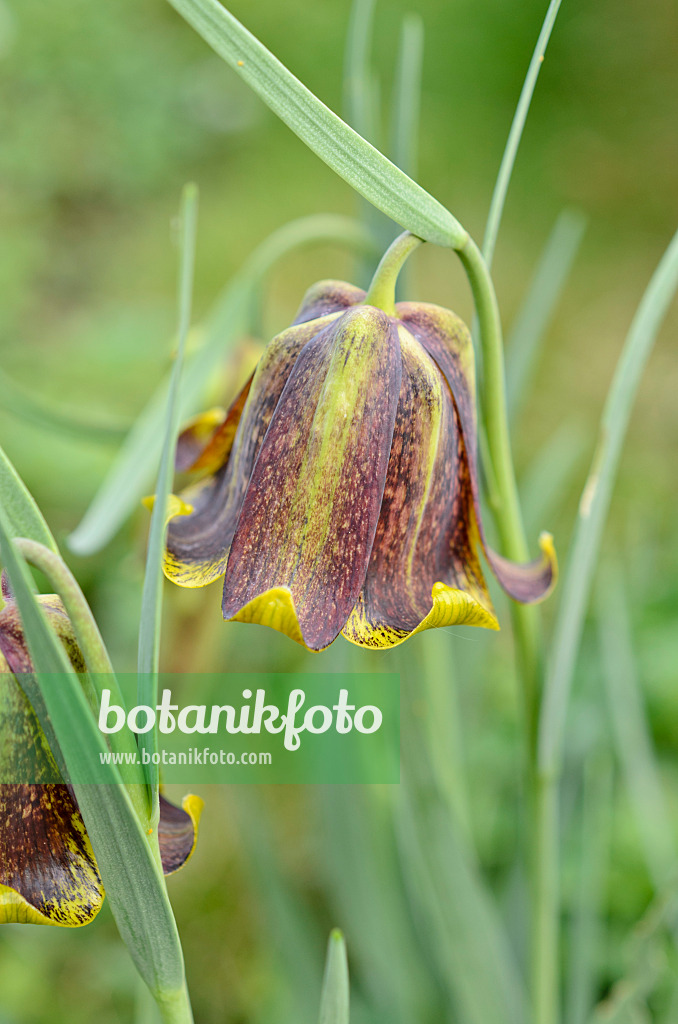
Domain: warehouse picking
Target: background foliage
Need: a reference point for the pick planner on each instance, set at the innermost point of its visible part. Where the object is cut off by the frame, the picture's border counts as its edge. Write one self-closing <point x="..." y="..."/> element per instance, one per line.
<point x="108" y="109"/>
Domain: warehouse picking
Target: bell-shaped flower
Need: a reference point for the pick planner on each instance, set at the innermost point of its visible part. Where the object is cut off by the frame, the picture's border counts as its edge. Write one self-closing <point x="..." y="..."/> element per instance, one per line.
<point x="340" y="493"/>
<point x="48" y="871"/>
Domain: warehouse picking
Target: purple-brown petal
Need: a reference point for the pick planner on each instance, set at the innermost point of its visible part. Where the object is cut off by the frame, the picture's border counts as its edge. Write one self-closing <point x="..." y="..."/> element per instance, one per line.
<point x="328" y="297"/>
<point x="447" y="340"/>
<point x="198" y="544"/>
<point x="178" y="831"/>
<point x="422" y="538"/>
<point x="310" y="514"/>
<point x="13" y="642"/>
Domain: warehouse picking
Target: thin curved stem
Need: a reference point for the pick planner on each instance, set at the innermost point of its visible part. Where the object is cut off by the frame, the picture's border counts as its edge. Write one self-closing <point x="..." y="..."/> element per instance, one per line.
<point x="65" y="585"/>
<point x="381" y="292"/>
<point x="94" y="651"/>
<point x="526" y="629"/>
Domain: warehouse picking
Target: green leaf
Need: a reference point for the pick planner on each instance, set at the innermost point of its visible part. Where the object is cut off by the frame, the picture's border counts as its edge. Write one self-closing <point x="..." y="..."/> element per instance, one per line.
<point x="586" y="927"/>
<point x="529" y="330"/>
<point x="131" y="475"/>
<point x="549" y="478"/>
<point x="407" y="95"/>
<point x="151" y="598"/>
<point x="334" y="1001"/>
<point x="129" y="866"/>
<point x="367" y="170"/>
<point x="595" y="503"/>
<point x="23" y="518"/>
<point x="39" y="411"/>
<point x="515" y="135"/>
<point x="457" y="914"/>
<point x="633" y="742"/>
<point x="359" y="106"/>
<point x="361" y="864"/>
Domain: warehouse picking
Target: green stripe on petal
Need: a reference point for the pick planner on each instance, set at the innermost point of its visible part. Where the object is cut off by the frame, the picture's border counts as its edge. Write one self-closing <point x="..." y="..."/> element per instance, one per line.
<point x="309" y="517"/>
<point x="198" y="544"/>
<point x="424" y="570"/>
<point x="448" y="341"/>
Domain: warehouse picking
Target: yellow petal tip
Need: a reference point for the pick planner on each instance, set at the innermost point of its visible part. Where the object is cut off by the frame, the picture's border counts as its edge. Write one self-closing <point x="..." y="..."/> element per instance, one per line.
<point x="274" y="608"/>
<point x="175" y="506"/>
<point x="548" y="550"/>
<point x="193" y="806"/>
<point x="452" y="607"/>
<point x="73" y="911"/>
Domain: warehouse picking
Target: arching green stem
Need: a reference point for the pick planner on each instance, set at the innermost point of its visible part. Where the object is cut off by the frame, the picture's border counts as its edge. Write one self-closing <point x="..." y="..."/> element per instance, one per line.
<point x="506" y="509"/>
<point x="65" y="585"/>
<point x="93" y="649"/>
<point x="381" y="292"/>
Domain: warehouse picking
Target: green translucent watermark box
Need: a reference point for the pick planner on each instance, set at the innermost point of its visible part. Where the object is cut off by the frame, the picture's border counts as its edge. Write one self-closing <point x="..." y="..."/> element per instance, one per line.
<point x="213" y="728"/>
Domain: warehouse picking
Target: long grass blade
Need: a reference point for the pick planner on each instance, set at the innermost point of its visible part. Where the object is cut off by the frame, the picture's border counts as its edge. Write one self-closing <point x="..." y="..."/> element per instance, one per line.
<point x="23" y="518"/>
<point x="129" y="867"/>
<point x="358" y="82"/>
<point x="131" y="475"/>
<point x="287" y="925"/>
<point x="48" y="416"/>
<point x="529" y="330"/>
<point x="368" y="898"/>
<point x="406" y="107"/>
<point x="595" y="503"/>
<point x="515" y="134"/>
<point x="334" y="1001"/>
<point x="586" y="930"/>
<point x="367" y="170"/>
<point x="548" y="479"/>
<point x="630" y="729"/>
<point x="457" y="916"/>
<point x="151" y="598"/>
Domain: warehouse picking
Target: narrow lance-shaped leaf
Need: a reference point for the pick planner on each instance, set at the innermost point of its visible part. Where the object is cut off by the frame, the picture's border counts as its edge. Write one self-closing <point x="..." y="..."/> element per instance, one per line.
<point x="130" y="871"/>
<point x="595" y="502"/>
<point x="529" y="330"/>
<point x="151" y="598"/>
<point x="358" y="84"/>
<point x="23" y="518"/>
<point x="40" y="411"/>
<point x="407" y="95"/>
<point x="515" y="134"/>
<point x="630" y="729"/>
<point x="334" y="1001"/>
<point x="367" y="170"/>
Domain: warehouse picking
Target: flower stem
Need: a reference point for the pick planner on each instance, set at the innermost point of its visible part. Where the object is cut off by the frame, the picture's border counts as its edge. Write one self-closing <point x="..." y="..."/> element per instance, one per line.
<point x="381" y="292"/>
<point x="93" y="649"/>
<point x="542" y="793"/>
<point x="65" y="585"/>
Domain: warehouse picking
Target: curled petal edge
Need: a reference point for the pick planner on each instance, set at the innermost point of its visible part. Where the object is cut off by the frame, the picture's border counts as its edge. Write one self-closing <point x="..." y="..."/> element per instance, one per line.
<point x="192" y="805"/>
<point x="541" y="574"/>
<point x="450" y="607"/>
<point x="184" y="574"/>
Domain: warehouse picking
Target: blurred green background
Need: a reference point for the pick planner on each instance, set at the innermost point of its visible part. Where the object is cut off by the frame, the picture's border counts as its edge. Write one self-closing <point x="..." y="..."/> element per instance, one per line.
<point x="107" y="110"/>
